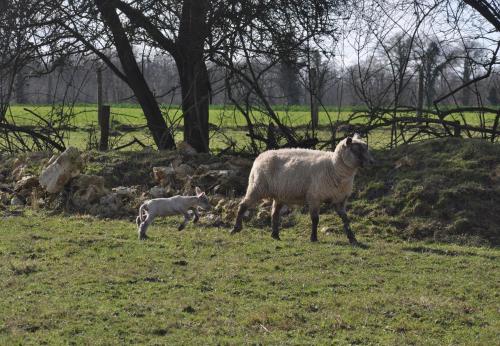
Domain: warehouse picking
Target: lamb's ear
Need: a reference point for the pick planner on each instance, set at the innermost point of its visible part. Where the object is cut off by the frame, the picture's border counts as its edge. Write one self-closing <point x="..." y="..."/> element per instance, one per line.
<point x="349" y="140"/>
<point x="356" y="136"/>
<point x="198" y="191"/>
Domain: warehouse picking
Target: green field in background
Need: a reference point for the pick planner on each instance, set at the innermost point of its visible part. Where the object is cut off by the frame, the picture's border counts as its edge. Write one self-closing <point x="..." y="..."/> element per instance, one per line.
<point x="83" y="121"/>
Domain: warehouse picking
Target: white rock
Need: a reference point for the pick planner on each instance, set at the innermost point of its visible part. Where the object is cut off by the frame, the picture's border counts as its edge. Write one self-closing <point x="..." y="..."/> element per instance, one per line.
<point x="157" y="192"/>
<point x="328" y="230"/>
<point x="88" y="190"/>
<point x="183" y="170"/>
<point x="163" y="175"/>
<point x="27" y="182"/>
<point x="111" y="202"/>
<point x="57" y="174"/>
<point x="222" y="173"/>
<point x="125" y="191"/>
<point x="18" y="172"/>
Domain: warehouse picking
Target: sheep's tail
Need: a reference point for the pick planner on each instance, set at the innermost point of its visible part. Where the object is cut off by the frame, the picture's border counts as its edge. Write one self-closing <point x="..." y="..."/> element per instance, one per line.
<point x="143" y="214"/>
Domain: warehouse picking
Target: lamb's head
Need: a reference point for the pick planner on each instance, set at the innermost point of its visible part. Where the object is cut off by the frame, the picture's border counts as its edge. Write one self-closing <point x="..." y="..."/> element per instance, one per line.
<point x="202" y="199"/>
<point x="355" y="152"/>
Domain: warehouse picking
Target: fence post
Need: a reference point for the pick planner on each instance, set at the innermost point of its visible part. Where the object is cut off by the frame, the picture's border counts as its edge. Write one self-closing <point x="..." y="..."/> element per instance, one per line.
<point x="456" y="129"/>
<point x="420" y="91"/>
<point x="314" y="102"/>
<point x="99" y="94"/>
<point x="104" y="112"/>
<point x="495" y="126"/>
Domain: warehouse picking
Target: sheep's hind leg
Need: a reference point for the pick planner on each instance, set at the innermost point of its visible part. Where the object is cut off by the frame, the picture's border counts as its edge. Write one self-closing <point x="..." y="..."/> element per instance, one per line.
<point x="275" y="219"/>
<point x="183" y="224"/>
<point x="196" y="215"/>
<point x="144" y="226"/>
<point x="340" y="209"/>
<point x="314" y="212"/>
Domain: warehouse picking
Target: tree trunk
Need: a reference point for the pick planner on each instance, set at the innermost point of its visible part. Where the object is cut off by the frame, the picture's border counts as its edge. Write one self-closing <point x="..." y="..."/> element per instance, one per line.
<point x="289" y="81"/>
<point x="487" y="10"/>
<point x="466" y="92"/>
<point x="195" y="102"/>
<point x="20" y="83"/>
<point x="156" y="124"/>
<point x="313" y="84"/>
<point x="104" y="112"/>
<point x="195" y="84"/>
<point x="420" y="91"/>
<point x="99" y="94"/>
<point x="49" y="92"/>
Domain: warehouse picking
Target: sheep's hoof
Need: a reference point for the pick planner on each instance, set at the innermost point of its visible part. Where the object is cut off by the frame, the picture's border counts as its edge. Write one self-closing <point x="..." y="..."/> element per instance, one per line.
<point x="143" y="237"/>
<point x="235" y="230"/>
<point x="275" y="236"/>
<point x="180" y="228"/>
<point x="358" y="244"/>
<point x="314" y="239"/>
<point x="196" y="219"/>
<point x="354" y="242"/>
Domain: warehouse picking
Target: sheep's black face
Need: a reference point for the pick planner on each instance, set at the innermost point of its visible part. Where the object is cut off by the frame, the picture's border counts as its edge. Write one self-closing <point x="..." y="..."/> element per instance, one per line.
<point x="359" y="152"/>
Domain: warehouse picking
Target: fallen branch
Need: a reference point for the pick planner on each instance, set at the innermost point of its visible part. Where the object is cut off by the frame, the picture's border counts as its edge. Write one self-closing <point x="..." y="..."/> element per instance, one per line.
<point x="34" y="134"/>
<point x="134" y="141"/>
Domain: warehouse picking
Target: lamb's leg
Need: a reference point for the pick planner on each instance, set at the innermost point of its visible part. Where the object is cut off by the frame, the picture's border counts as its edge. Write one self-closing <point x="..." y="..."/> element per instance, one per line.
<point x="275" y="219"/>
<point x="340" y="209"/>
<point x="144" y="226"/>
<point x="314" y="212"/>
<point x="196" y="215"/>
<point x="183" y="224"/>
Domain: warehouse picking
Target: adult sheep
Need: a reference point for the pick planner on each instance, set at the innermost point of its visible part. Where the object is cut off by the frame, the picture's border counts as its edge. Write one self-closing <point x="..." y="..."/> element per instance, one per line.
<point x="297" y="176"/>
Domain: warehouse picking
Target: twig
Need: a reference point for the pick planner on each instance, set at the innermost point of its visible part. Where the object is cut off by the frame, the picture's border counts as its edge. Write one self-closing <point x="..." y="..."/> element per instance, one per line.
<point x="134" y="141"/>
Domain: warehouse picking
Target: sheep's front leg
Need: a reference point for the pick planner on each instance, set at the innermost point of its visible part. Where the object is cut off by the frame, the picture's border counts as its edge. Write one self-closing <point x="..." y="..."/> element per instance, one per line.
<point x="275" y="219"/>
<point x="183" y="224"/>
<point x="238" y="224"/>
<point x="314" y="212"/>
<point x="340" y="209"/>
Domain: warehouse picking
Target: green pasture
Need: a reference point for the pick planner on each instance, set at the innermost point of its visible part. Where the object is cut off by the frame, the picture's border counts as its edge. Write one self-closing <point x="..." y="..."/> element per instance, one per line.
<point x="128" y="121"/>
<point x="80" y="280"/>
<point x="86" y="114"/>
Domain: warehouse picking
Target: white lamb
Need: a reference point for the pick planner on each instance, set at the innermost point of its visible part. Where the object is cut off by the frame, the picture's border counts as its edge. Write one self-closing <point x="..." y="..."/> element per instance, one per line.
<point x="297" y="176"/>
<point x="170" y="206"/>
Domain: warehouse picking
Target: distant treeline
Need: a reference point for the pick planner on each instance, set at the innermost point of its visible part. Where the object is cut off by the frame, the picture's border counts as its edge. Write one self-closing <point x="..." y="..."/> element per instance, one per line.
<point x="76" y="82"/>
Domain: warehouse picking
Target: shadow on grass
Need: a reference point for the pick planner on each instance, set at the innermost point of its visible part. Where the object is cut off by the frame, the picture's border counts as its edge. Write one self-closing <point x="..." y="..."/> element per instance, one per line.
<point x="423" y="249"/>
<point x="357" y="245"/>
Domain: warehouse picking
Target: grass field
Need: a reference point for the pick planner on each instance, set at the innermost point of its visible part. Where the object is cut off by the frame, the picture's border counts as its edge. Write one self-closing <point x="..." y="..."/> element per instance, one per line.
<point x="76" y="279"/>
<point x="83" y="119"/>
<point x="79" y="280"/>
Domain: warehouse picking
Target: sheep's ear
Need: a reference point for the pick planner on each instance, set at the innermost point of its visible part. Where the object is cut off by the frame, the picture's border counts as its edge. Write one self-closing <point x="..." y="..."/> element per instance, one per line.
<point x="357" y="136"/>
<point x="349" y="140"/>
<point x="198" y="191"/>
